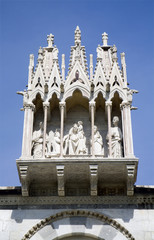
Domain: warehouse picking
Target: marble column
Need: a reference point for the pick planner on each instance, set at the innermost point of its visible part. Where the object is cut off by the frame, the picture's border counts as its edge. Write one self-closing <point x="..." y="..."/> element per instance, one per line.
<point x="27" y="130"/>
<point x="109" y="105"/>
<point x="62" y="109"/>
<point x="127" y="130"/>
<point x="92" y="109"/>
<point x="45" y="106"/>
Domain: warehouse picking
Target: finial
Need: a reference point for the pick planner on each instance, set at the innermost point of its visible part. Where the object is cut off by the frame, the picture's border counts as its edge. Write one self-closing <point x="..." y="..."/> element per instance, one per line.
<point x="50" y="40"/>
<point x="77" y="36"/>
<point x="104" y="38"/>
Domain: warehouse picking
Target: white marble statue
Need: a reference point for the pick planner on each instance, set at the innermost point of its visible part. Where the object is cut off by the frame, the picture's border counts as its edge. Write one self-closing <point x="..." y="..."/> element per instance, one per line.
<point x="53" y="143"/>
<point x="99" y="51"/>
<point x="55" y="53"/>
<point x="75" y="141"/>
<point x="114" y="51"/>
<point x="82" y="139"/>
<point x="98" y="142"/>
<point x="37" y="142"/>
<point x="116" y="138"/>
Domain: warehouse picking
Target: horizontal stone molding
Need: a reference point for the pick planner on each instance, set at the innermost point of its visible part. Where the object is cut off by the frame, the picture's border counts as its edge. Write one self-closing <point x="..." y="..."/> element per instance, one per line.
<point x="107" y="201"/>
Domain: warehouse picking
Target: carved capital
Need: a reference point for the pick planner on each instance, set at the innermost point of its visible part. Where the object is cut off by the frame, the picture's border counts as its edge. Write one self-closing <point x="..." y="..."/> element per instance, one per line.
<point x="124" y="105"/>
<point x="62" y="105"/>
<point x="24" y="180"/>
<point x="29" y="106"/>
<point x="60" y="178"/>
<point x="130" y="179"/>
<point x="108" y="104"/>
<point x="93" y="179"/>
<point x="46" y="104"/>
<point x="92" y="104"/>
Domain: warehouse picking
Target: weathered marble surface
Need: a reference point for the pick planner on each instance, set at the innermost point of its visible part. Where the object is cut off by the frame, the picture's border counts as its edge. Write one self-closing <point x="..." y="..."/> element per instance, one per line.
<point x="15" y="223"/>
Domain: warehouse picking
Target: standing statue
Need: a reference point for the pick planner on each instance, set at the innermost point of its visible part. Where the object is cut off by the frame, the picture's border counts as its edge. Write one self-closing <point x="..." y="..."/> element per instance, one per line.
<point x="99" y="51"/>
<point x="98" y="142"/>
<point x="37" y="142"/>
<point x="55" y="53"/>
<point x="57" y="142"/>
<point x="82" y="139"/>
<point x="116" y="138"/>
<point x="114" y="51"/>
<point x="75" y="141"/>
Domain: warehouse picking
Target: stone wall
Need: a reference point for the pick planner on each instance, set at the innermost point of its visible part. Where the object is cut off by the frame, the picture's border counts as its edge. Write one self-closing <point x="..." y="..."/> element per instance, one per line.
<point x="102" y="223"/>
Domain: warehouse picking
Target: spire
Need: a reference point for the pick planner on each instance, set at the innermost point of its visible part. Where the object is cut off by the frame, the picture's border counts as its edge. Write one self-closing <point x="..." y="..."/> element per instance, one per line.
<point x="77" y="36"/>
<point x="78" y="52"/>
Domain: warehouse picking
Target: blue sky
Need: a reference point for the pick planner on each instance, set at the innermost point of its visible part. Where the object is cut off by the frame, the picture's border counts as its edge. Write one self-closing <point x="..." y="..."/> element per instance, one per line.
<point x="24" y="26"/>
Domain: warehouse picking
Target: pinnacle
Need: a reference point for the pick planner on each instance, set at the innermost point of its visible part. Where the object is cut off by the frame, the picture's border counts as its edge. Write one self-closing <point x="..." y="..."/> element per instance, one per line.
<point x="77" y="28"/>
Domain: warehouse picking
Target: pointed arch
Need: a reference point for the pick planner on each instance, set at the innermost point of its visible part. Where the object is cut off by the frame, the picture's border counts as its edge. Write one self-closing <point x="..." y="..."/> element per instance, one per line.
<point x="83" y="90"/>
<point x="35" y="93"/>
<point x="119" y="92"/>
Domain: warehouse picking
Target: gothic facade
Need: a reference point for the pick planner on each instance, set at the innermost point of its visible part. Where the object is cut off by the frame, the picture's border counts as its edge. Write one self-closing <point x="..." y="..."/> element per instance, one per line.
<point x="77" y="168"/>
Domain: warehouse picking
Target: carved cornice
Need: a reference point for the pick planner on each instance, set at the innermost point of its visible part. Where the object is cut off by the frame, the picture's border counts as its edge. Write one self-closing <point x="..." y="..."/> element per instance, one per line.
<point x="18" y="200"/>
<point x="79" y="213"/>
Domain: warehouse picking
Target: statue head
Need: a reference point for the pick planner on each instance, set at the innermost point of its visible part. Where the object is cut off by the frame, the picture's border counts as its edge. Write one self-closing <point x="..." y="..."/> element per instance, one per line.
<point x="80" y="123"/>
<point x="115" y="120"/>
<point x="75" y="128"/>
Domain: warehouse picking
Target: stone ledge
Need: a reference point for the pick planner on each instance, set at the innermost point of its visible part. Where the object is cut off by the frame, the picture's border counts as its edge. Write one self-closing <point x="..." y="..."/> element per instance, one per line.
<point x="138" y="201"/>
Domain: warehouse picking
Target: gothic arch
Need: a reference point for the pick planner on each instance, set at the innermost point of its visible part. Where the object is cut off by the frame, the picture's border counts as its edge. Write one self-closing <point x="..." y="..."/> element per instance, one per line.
<point x="80" y="213"/>
<point x="120" y="93"/>
<point x="70" y="91"/>
<point x="35" y="93"/>
<point x="100" y="91"/>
